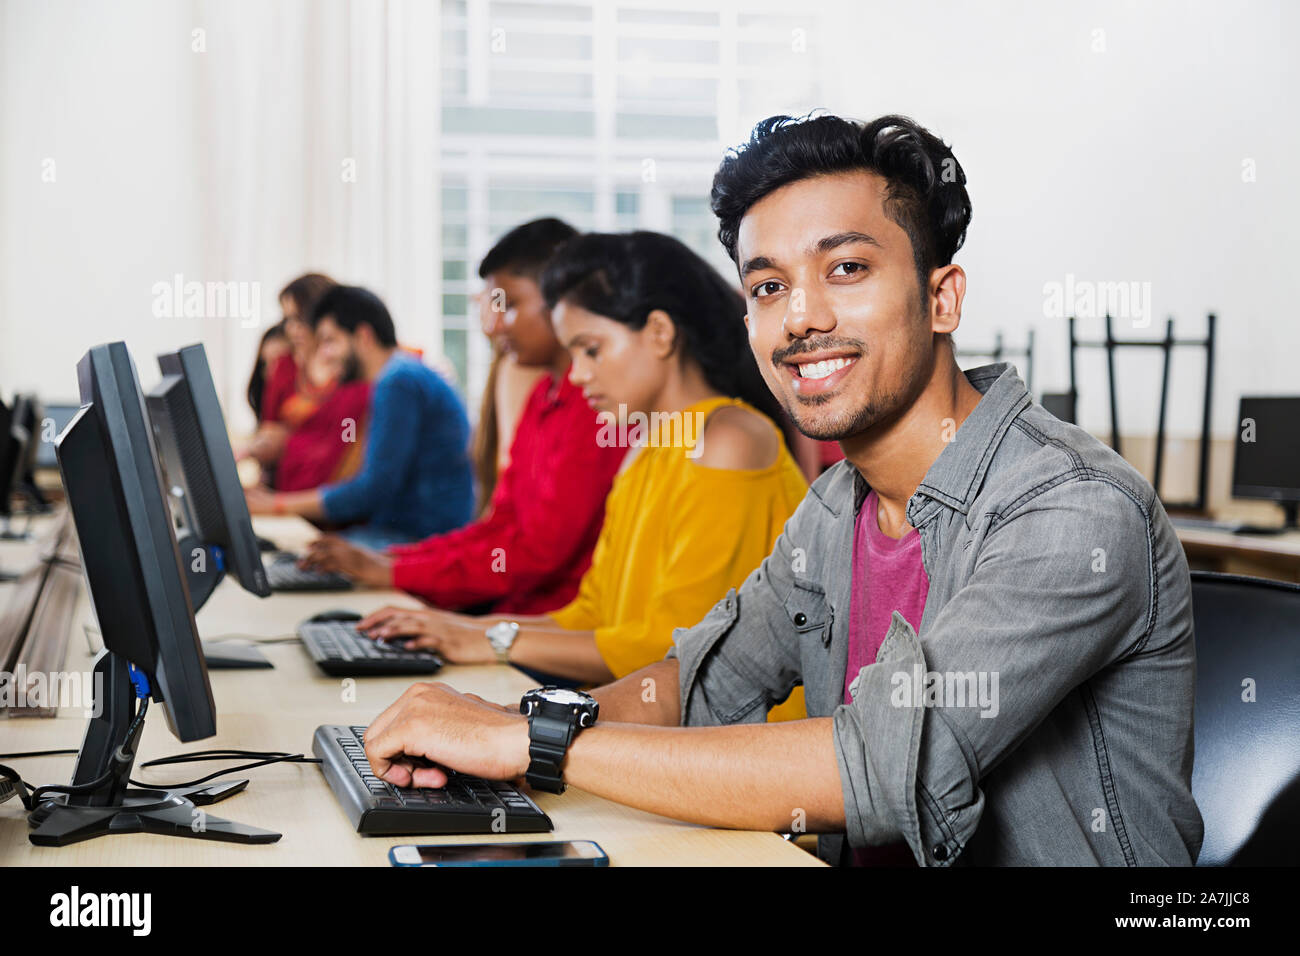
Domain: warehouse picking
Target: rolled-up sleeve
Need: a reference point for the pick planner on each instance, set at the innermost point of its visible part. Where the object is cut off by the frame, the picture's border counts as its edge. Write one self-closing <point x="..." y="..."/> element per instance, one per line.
<point x="1058" y="591"/>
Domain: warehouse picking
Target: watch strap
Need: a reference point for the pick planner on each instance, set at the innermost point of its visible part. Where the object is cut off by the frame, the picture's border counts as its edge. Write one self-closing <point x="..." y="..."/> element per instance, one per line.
<point x="548" y="741"/>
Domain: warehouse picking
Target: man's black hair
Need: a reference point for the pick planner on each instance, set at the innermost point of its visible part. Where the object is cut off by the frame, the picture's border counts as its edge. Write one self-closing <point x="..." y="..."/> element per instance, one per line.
<point x="926" y="191"/>
<point x="526" y="249"/>
<point x="351" y="306"/>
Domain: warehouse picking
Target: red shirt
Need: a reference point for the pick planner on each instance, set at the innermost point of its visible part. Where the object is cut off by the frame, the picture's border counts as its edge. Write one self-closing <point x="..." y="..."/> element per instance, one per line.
<point x="530" y="551"/>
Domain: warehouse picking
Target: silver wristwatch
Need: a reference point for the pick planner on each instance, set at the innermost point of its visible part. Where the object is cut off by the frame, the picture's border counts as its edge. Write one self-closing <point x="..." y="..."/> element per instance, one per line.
<point x="501" y="636"/>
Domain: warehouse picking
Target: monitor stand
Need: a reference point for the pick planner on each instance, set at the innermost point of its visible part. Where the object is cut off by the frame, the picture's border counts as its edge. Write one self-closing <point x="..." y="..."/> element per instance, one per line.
<point x="108" y="751"/>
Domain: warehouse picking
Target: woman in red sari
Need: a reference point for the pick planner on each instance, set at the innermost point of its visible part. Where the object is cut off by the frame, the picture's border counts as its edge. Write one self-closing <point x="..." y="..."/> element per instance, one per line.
<point x="311" y="418"/>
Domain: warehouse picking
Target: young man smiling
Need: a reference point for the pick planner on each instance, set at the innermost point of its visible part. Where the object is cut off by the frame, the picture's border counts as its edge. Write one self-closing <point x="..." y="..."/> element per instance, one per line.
<point x="969" y="542"/>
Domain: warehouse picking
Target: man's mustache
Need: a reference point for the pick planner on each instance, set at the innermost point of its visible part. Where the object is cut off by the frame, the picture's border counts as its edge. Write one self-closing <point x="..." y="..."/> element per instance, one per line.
<point x="820" y="344"/>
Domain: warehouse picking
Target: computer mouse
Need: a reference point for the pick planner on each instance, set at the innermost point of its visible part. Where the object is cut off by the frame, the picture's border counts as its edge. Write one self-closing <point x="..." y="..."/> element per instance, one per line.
<point x="343" y="617"/>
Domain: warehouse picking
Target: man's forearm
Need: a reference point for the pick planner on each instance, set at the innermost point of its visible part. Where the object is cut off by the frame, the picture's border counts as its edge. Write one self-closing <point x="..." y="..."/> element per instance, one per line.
<point x="647" y="696"/>
<point x="782" y="777"/>
<point x="305" y="504"/>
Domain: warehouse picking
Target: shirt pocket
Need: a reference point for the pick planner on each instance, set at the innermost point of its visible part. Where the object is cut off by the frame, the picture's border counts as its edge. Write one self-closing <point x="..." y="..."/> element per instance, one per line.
<point x="809" y="614"/>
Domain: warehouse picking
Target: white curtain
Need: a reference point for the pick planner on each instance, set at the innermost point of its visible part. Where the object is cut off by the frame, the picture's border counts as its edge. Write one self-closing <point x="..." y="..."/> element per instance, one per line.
<point x="145" y="139"/>
<point x="318" y="150"/>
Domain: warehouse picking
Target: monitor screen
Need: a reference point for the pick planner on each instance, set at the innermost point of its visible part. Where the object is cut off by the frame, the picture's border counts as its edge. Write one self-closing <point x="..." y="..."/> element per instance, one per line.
<point x="1267" y="460"/>
<point x="54" y="420"/>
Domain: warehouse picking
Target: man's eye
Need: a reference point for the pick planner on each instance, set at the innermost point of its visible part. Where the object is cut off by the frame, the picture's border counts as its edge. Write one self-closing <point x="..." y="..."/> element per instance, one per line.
<point x="771" y="286"/>
<point x="852" y="268"/>
<point x="589" y="351"/>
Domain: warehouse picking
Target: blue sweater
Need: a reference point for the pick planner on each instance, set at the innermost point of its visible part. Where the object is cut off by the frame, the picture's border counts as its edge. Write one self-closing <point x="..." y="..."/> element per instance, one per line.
<point x="415" y="477"/>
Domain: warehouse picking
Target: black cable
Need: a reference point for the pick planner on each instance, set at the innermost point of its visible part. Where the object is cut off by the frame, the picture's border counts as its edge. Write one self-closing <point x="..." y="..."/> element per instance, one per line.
<point x="22" y="786"/>
<point x="268" y="758"/>
<point x="74" y="565"/>
<point x="28" y="795"/>
<point x="38" y="753"/>
<point x="119" y="756"/>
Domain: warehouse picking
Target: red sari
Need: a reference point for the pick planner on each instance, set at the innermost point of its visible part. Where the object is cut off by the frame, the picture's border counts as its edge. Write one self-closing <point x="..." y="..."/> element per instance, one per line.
<point x="325" y="423"/>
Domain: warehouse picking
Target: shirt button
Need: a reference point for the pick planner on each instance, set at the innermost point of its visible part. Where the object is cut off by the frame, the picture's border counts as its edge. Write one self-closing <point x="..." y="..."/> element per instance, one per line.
<point x="940" y="852"/>
<point x="800" y="619"/>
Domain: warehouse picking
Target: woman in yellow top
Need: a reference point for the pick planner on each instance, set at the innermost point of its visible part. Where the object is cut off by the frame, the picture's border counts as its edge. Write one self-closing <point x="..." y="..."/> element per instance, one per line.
<point x="658" y="344"/>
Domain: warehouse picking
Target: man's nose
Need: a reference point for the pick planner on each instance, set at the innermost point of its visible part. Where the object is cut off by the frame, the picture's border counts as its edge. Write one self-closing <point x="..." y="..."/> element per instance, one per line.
<point x="807" y="311"/>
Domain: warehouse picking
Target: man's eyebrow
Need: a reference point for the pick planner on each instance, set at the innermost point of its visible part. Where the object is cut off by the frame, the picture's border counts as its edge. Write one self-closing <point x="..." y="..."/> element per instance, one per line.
<point x="827" y="243"/>
<point x="820" y="247"/>
<point x="756" y="263"/>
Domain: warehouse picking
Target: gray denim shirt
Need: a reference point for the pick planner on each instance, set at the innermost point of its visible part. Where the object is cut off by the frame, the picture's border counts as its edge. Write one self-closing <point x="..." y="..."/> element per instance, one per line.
<point x="1043" y="714"/>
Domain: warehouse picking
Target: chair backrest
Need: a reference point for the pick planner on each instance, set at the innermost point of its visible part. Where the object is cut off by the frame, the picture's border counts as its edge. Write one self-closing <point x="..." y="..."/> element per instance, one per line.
<point x="1246" y="777"/>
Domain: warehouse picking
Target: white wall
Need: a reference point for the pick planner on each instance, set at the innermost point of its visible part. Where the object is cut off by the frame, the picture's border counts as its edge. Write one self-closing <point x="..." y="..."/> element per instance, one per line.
<point x="1122" y="165"/>
<point x="217" y="155"/>
<point x="89" y="87"/>
<point x="1114" y="166"/>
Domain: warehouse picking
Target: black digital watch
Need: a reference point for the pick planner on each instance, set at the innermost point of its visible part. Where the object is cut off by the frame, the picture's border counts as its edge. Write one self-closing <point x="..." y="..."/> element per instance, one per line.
<point x="555" y="716"/>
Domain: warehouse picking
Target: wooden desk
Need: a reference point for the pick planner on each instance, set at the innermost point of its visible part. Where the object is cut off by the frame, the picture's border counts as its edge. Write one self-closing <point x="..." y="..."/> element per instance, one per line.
<point x="279" y="709"/>
<point x="1275" y="556"/>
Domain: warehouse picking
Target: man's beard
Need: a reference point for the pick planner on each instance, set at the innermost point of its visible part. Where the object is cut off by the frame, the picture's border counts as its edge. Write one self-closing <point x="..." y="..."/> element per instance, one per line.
<point x="846" y="425"/>
<point x="351" y="368"/>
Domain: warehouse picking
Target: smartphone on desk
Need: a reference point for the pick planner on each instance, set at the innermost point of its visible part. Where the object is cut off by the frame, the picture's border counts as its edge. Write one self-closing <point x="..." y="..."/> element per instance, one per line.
<point x="559" y="853"/>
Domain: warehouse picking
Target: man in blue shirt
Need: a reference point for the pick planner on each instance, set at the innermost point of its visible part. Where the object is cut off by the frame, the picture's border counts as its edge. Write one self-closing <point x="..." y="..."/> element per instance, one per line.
<point x="415" y="479"/>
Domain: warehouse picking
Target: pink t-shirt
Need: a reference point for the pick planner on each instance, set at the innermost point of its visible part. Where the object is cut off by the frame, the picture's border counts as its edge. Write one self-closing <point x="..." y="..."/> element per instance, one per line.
<point x="888" y="576"/>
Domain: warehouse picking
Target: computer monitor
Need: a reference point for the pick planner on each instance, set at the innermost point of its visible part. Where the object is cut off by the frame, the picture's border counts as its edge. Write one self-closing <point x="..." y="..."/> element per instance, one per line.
<point x="198" y="466"/>
<point x="1267" y="460"/>
<point x="57" y="415"/>
<point x="151" y="649"/>
<point x="14" y="439"/>
<point x="28" y="412"/>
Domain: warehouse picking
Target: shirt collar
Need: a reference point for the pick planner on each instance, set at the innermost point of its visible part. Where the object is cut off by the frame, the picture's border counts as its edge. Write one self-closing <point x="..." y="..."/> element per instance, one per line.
<point x="564" y="395"/>
<point x="956" y="474"/>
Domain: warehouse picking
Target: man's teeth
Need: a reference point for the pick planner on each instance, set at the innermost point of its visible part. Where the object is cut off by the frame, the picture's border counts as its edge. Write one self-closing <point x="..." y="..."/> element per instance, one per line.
<point x="822" y="369"/>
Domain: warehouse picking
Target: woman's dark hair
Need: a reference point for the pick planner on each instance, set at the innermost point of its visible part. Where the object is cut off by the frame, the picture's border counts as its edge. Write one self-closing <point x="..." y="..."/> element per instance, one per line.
<point x="257" y="381"/>
<point x="305" y="291"/>
<point x="350" y="307"/>
<point x="626" y="276"/>
<point x="926" y="193"/>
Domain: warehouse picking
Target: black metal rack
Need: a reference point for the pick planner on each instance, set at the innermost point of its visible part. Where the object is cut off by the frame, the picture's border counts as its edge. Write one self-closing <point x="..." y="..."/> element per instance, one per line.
<point x="998" y="353"/>
<point x="1167" y="345"/>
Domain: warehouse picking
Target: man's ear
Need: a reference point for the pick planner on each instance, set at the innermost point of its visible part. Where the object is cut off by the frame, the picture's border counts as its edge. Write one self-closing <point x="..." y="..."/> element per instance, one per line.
<point x="947" y="291"/>
<point x="661" y="332"/>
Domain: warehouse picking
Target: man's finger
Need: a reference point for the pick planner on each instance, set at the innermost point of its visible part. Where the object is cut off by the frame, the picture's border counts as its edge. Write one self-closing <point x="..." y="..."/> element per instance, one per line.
<point x="433" y="777"/>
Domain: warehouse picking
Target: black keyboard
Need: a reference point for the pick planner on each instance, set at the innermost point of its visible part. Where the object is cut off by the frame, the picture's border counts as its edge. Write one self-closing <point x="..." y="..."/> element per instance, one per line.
<point x="283" y="574"/>
<point x="377" y="808"/>
<point x="1205" y="524"/>
<point x="340" y="650"/>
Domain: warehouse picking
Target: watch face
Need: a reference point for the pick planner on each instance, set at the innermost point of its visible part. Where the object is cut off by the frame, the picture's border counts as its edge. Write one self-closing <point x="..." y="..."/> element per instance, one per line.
<point x="564" y="696"/>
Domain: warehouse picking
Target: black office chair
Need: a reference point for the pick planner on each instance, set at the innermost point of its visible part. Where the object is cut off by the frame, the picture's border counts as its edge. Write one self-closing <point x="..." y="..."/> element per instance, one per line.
<point x="1246" y="778"/>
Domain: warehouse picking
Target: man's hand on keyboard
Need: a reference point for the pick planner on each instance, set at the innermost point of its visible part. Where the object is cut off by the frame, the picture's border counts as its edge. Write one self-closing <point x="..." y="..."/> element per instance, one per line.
<point x="456" y="638"/>
<point x="330" y="553"/>
<point x="433" y="722"/>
